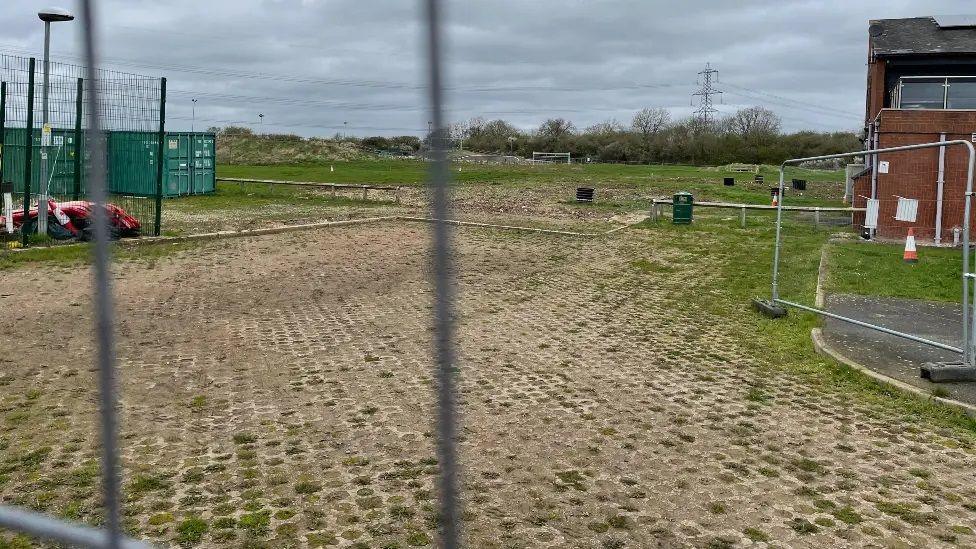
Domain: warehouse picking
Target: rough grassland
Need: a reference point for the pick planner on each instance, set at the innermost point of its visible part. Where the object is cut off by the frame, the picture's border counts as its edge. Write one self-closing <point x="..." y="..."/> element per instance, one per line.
<point x="656" y="179"/>
<point x="545" y="192"/>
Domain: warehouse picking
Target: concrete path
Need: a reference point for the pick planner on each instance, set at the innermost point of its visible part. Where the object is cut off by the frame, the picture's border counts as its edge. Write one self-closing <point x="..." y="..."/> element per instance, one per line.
<point x="894" y="356"/>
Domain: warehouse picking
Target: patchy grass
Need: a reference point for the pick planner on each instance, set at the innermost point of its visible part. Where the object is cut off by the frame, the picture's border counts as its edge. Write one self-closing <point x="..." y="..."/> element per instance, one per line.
<point x="80" y="254"/>
<point x="704" y="182"/>
<point x="741" y="259"/>
<point x="256" y="196"/>
<point x="191" y="530"/>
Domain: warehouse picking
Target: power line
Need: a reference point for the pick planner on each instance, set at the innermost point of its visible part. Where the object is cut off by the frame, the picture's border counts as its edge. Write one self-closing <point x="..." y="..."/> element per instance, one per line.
<point x="793" y="103"/>
<point x="705" y="110"/>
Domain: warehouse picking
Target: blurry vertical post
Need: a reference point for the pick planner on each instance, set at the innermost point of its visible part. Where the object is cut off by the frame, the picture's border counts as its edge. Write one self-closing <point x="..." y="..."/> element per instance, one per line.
<point x="442" y="262"/>
<point x="104" y="336"/>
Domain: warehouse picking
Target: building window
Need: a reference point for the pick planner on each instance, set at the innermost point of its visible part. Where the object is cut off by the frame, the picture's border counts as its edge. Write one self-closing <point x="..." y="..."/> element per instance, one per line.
<point x="961" y="94"/>
<point x="956" y="92"/>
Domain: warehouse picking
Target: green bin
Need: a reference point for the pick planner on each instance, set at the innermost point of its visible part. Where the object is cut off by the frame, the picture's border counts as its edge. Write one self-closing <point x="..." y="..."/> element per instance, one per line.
<point x="681" y="207"/>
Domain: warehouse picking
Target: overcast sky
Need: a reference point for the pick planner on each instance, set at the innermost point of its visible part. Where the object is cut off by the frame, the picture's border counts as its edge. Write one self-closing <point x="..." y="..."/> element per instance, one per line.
<point x="317" y="67"/>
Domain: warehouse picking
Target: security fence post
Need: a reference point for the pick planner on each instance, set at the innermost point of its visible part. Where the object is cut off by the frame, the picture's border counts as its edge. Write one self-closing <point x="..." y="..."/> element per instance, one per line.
<point x="3" y="122"/>
<point x="159" y="157"/>
<point x="79" y="92"/>
<point x="779" y="224"/>
<point x="29" y="154"/>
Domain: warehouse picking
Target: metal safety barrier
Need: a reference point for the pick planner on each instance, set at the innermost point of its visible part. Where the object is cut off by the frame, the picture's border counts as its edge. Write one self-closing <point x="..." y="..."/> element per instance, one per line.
<point x="657" y="203"/>
<point x="967" y="350"/>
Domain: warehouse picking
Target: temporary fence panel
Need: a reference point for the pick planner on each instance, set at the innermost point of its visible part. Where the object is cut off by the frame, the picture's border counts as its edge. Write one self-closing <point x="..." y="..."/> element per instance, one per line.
<point x="443" y="279"/>
<point x="871" y="220"/>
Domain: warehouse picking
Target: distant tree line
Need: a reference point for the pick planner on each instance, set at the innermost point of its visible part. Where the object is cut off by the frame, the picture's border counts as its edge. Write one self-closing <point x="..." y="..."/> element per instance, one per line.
<point x="751" y="135"/>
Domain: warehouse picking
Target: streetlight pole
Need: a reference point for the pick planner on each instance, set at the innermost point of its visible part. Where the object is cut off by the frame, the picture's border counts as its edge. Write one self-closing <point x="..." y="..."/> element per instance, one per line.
<point x="50" y="15"/>
<point x="193" y="116"/>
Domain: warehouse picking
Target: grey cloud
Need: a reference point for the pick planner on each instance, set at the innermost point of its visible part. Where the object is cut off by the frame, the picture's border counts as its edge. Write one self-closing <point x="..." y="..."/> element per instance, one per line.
<point x="332" y="61"/>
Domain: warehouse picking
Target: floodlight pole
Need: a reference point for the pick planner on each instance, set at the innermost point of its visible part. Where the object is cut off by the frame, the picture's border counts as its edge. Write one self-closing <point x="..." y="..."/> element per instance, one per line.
<point x="193" y="116"/>
<point x="45" y="134"/>
<point x="48" y="16"/>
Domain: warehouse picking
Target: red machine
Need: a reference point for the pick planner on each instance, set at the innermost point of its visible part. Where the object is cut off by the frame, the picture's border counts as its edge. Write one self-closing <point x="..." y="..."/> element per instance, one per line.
<point x="73" y="219"/>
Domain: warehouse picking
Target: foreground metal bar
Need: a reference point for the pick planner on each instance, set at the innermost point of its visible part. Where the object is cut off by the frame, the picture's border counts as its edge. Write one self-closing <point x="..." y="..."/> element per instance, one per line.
<point x="872" y="326"/>
<point x="104" y="336"/>
<point x="969" y="342"/>
<point x="443" y="267"/>
<point x="53" y="529"/>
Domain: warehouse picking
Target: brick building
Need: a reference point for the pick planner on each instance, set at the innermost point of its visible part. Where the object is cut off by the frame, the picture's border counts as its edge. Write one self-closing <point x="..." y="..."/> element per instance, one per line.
<point x="921" y="88"/>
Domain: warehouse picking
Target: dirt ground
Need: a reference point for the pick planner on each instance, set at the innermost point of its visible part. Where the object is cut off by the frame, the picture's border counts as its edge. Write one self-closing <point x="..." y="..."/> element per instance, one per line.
<point x="277" y="392"/>
<point x="545" y="204"/>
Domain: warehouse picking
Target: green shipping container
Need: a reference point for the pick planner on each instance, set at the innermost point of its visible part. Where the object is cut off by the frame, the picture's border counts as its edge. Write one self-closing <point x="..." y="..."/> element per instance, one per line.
<point x="189" y="164"/>
<point x="61" y="161"/>
<point x="188" y="158"/>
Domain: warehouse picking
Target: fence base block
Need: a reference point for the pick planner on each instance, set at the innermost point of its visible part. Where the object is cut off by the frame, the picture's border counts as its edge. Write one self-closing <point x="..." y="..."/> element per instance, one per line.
<point x="943" y="372"/>
<point x="768" y="308"/>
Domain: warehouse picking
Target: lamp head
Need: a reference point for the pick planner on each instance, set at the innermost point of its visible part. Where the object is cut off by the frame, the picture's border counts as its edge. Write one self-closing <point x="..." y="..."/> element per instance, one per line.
<point x="54" y="15"/>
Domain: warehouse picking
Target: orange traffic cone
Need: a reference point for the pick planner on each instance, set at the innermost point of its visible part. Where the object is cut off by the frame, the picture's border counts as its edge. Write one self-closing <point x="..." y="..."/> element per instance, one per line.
<point x="911" y="255"/>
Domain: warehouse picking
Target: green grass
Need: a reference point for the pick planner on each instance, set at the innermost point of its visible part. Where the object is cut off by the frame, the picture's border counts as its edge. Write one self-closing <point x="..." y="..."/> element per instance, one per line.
<point x="80" y="254"/>
<point x="878" y="270"/>
<point x="230" y="196"/>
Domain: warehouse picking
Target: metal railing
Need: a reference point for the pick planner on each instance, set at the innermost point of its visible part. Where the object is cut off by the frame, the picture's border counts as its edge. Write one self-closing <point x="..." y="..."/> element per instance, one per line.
<point x="967" y="350"/>
<point x="657" y="203"/>
<point x="111" y="536"/>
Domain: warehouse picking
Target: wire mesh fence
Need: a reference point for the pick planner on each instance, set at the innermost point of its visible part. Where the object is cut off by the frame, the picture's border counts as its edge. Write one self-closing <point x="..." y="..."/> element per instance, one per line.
<point x="126" y="104"/>
<point x="46" y="147"/>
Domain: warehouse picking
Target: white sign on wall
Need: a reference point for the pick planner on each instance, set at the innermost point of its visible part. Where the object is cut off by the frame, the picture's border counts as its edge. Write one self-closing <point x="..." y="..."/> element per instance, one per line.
<point x="883" y="166"/>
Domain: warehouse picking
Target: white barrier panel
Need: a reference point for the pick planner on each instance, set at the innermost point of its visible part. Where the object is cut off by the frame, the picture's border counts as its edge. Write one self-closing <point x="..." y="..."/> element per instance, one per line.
<point x="871" y="214"/>
<point x="8" y="212"/>
<point x="907" y="209"/>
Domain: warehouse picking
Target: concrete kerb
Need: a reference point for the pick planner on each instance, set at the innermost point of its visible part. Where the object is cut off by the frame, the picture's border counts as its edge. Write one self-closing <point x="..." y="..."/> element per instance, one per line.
<point x="821" y="346"/>
<point x="329" y="224"/>
<point x="513" y="227"/>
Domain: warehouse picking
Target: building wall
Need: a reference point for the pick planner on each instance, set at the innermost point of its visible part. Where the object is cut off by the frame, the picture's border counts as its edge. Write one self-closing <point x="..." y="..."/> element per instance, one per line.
<point x="914" y="174"/>
<point x="875" y="88"/>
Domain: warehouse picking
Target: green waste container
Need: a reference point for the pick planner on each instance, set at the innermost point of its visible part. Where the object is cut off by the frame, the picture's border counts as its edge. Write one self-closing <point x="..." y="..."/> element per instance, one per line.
<point x="681" y="206"/>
